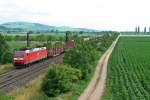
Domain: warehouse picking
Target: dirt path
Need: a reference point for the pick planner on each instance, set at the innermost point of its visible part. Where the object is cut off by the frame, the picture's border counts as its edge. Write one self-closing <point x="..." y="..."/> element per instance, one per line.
<point x="95" y="89"/>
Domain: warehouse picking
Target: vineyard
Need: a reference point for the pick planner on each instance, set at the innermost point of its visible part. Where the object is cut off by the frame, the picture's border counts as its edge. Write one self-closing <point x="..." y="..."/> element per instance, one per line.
<point x="128" y="70"/>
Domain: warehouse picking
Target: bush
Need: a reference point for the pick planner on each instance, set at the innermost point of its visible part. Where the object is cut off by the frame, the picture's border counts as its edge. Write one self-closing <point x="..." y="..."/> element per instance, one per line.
<point x="106" y="41"/>
<point x="60" y="79"/>
<point x="82" y="56"/>
<point x="101" y="48"/>
<point x="5" y="55"/>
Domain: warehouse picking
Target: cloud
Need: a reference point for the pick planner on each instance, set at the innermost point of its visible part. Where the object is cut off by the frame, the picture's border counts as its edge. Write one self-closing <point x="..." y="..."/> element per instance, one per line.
<point x="98" y="14"/>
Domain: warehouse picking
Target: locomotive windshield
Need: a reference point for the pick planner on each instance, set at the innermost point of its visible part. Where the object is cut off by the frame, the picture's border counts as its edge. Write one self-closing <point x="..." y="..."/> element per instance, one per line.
<point x="19" y="54"/>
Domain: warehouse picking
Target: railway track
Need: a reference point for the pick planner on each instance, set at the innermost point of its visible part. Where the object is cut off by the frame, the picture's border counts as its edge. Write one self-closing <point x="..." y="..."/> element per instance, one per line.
<point x="19" y="77"/>
<point x="95" y="89"/>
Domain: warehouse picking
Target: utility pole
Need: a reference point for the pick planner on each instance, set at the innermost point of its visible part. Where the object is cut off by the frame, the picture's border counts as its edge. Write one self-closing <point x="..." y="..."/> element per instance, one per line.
<point x="67" y="35"/>
<point x="28" y="38"/>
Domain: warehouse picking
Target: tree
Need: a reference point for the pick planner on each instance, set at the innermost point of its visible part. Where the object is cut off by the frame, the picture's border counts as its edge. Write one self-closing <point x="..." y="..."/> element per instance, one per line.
<point x="41" y="37"/>
<point x="60" y="79"/>
<point x="82" y="56"/>
<point x="2" y="46"/>
<point x="138" y="29"/>
<point x="144" y="29"/>
<point x="49" y="38"/>
<point x="5" y="54"/>
<point x="67" y="35"/>
<point x="81" y="32"/>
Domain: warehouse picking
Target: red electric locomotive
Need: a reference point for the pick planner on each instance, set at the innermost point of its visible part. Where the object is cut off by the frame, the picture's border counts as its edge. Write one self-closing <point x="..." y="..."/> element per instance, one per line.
<point x="27" y="56"/>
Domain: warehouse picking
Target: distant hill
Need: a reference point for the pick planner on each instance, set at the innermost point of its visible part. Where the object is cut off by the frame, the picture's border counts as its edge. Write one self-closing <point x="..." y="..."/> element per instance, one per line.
<point x="26" y="26"/>
<point x="2" y="28"/>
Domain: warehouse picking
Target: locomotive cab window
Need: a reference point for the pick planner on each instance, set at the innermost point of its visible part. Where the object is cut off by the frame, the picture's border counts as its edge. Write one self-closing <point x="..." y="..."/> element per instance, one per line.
<point x="19" y="54"/>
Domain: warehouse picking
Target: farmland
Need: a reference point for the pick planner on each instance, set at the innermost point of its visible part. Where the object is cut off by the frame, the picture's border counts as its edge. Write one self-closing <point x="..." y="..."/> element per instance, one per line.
<point x="128" y="70"/>
<point x="19" y="44"/>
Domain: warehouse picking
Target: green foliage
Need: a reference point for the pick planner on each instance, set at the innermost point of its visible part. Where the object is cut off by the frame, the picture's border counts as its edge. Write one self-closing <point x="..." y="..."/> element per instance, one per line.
<point x="77" y="39"/>
<point x="49" y="38"/>
<point x="8" y="38"/>
<point x="48" y="44"/>
<point x="6" y="57"/>
<point x="36" y="37"/>
<point x="60" y="79"/>
<point x="101" y="48"/>
<point x="20" y="38"/>
<point x="128" y="70"/>
<point x="105" y="41"/>
<point x="59" y="43"/>
<point x="41" y="37"/>
<point x="4" y="97"/>
<point x="5" y="54"/>
<point x="82" y="56"/>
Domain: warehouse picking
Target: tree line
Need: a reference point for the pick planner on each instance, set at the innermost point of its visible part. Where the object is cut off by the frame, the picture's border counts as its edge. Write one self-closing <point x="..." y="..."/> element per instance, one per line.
<point x="38" y="37"/>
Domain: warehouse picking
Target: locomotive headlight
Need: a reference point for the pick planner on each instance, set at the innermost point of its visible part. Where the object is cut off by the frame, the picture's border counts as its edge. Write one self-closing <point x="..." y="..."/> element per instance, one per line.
<point x="15" y="58"/>
<point x="20" y="58"/>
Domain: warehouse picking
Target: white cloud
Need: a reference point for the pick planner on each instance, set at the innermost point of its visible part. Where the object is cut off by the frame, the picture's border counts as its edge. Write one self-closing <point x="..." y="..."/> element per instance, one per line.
<point x="98" y="14"/>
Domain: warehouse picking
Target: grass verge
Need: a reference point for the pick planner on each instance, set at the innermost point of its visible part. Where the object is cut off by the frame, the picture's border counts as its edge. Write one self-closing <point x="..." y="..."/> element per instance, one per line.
<point x="30" y="89"/>
<point x="5" y="67"/>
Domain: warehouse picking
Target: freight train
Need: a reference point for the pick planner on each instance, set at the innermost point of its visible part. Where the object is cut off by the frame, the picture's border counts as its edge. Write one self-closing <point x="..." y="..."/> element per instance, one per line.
<point x="27" y="56"/>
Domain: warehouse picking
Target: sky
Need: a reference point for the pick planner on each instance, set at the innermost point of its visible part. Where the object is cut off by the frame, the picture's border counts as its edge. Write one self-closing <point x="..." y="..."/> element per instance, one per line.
<point x="116" y="15"/>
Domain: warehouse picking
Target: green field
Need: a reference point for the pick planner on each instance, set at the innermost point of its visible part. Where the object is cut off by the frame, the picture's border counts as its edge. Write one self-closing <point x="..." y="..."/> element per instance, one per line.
<point x="128" y="70"/>
<point x="19" y="44"/>
<point x="34" y="34"/>
<point x="55" y="35"/>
